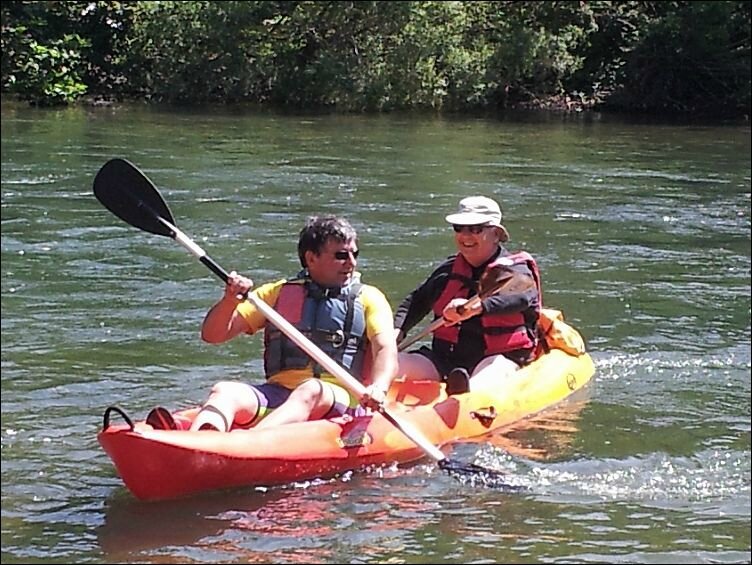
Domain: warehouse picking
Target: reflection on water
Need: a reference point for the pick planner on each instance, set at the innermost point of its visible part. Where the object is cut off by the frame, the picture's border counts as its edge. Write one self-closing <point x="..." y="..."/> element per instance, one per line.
<point x="133" y="527"/>
<point x="295" y="523"/>
<point x="548" y="436"/>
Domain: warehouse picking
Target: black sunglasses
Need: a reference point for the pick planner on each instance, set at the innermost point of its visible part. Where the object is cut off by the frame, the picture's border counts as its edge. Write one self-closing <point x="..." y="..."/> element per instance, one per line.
<point x="345" y="255"/>
<point x="472" y="229"/>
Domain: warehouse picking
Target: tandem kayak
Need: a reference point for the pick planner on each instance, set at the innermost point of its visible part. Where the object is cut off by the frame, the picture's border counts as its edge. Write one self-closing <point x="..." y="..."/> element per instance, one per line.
<point x="162" y="464"/>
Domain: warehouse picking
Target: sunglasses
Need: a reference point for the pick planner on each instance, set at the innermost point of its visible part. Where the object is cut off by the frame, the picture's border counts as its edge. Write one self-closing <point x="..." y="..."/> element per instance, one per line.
<point x="344" y="255"/>
<point x="475" y="230"/>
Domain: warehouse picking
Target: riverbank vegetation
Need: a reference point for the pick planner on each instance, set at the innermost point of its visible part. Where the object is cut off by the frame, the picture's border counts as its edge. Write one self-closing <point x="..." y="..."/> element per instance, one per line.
<point x="362" y="56"/>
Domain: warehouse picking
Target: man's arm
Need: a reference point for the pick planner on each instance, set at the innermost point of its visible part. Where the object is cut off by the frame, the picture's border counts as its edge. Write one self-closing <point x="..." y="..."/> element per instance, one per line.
<point x="420" y="301"/>
<point x="222" y="322"/>
<point x="384" y="350"/>
<point x="233" y="315"/>
<point x="380" y="333"/>
<point x="518" y="295"/>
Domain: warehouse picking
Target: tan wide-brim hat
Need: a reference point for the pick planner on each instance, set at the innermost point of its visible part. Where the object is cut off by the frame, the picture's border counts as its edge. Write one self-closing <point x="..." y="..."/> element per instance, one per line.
<point x="476" y="211"/>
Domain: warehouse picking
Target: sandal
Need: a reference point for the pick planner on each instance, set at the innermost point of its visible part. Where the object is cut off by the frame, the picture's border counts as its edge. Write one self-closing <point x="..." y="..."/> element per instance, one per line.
<point x="160" y="419"/>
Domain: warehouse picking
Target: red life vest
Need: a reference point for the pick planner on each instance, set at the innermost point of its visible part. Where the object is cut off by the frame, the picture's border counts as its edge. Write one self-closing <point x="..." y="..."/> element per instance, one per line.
<point x="502" y="332"/>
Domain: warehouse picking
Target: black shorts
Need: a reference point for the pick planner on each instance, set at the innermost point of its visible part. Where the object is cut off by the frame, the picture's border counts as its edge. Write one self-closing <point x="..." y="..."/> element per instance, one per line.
<point x="270" y="396"/>
<point x="442" y="364"/>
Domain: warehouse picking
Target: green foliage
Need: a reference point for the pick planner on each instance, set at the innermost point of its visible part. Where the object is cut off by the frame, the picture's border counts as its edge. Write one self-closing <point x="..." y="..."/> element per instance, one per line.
<point x="692" y="56"/>
<point x="200" y="51"/>
<point x="54" y="52"/>
<point x="46" y="74"/>
<point x="381" y="56"/>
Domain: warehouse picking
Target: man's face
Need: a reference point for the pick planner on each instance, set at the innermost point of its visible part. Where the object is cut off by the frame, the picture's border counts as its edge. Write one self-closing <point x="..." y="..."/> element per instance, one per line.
<point x="476" y="243"/>
<point x="334" y="264"/>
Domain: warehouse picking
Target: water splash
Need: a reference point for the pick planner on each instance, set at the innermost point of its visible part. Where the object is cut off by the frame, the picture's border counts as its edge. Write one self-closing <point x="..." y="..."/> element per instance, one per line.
<point x="709" y="476"/>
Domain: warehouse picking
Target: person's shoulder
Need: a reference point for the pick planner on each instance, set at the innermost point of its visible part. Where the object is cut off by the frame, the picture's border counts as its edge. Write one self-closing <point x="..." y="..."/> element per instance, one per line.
<point x="273" y="285"/>
<point x="446" y="264"/>
<point x="372" y="296"/>
<point x="518" y="260"/>
<point x="270" y="291"/>
<point x="517" y="253"/>
<point x="368" y="290"/>
<point x="375" y="305"/>
<point x="507" y="251"/>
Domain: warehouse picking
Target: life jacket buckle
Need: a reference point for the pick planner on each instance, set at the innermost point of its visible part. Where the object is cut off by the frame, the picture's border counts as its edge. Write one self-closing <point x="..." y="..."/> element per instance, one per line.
<point x="354" y="341"/>
<point x="337" y="339"/>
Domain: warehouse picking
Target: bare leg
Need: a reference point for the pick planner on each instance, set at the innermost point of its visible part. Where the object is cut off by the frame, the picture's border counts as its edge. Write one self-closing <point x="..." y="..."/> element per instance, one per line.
<point x="310" y="401"/>
<point x="491" y="373"/>
<point x="417" y="367"/>
<point x="230" y="401"/>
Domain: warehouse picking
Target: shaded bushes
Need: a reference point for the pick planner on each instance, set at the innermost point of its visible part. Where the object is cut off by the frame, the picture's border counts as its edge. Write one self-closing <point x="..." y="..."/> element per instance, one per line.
<point x="379" y="56"/>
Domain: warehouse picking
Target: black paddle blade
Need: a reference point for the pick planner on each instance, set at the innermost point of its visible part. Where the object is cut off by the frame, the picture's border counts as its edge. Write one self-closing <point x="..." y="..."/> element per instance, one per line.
<point x="476" y="475"/>
<point x="131" y="196"/>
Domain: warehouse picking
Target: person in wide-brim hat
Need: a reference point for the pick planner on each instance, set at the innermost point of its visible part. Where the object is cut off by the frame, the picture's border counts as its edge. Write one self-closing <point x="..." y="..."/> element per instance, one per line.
<point x="480" y="211"/>
<point x="482" y="340"/>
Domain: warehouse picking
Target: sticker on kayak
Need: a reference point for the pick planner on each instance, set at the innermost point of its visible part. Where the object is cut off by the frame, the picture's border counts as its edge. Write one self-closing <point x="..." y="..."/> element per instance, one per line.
<point x="571" y="381"/>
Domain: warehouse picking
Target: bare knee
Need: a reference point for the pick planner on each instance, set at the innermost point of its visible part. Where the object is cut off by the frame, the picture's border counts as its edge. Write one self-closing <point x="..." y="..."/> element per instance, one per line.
<point x="226" y="387"/>
<point x="228" y="402"/>
<point x="417" y="367"/>
<point x="311" y="392"/>
<point x="492" y="373"/>
<point x="234" y="397"/>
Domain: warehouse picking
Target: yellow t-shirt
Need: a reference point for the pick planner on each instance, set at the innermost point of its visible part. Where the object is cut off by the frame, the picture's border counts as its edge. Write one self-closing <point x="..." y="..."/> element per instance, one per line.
<point x="376" y="309"/>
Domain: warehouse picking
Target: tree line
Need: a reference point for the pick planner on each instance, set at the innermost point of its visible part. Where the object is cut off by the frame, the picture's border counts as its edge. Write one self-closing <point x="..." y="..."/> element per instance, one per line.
<point x="690" y="57"/>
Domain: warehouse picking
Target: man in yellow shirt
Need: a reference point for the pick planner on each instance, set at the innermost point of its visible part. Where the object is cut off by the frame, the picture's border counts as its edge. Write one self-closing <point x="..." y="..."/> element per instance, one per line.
<point x="350" y="321"/>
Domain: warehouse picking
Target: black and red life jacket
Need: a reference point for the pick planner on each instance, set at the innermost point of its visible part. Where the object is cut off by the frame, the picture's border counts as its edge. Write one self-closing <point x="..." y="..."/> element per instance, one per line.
<point x="502" y="333"/>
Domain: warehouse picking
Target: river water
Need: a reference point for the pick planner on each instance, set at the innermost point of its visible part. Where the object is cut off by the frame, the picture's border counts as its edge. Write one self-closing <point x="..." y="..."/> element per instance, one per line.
<point x="642" y="233"/>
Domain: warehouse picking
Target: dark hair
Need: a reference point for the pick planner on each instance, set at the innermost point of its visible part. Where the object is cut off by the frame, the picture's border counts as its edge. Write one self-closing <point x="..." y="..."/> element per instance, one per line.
<point x="318" y="230"/>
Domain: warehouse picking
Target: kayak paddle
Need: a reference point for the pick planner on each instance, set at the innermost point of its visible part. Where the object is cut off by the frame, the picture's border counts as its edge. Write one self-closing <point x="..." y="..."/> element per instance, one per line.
<point x="126" y="192"/>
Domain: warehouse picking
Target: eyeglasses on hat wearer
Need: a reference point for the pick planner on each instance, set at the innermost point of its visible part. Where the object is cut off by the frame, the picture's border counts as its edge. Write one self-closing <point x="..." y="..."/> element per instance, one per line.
<point x="475" y="230"/>
<point x="344" y="255"/>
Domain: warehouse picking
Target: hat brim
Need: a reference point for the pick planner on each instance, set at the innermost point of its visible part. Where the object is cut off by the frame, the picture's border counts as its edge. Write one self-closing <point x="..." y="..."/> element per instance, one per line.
<point x="470" y="219"/>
